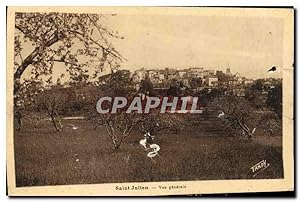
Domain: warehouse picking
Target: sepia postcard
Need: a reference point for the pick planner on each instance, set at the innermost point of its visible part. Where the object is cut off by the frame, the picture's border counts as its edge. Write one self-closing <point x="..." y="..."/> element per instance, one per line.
<point x="149" y="101"/>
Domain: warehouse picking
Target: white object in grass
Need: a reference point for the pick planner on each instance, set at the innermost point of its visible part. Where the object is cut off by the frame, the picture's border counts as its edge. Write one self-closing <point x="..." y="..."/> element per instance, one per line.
<point x="155" y="148"/>
<point x="74" y="127"/>
<point x="221" y="115"/>
<point x="143" y="142"/>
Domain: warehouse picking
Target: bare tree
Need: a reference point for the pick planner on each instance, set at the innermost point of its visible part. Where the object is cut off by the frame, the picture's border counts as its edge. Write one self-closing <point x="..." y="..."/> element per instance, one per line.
<point x="119" y="126"/>
<point x="52" y="101"/>
<point x="238" y="113"/>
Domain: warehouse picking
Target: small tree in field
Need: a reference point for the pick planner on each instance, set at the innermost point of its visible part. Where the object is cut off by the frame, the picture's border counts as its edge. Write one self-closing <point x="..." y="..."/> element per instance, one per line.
<point x="24" y="100"/>
<point x="52" y="101"/>
<point x="118" y="125"/>
<point x="238" y="113"/>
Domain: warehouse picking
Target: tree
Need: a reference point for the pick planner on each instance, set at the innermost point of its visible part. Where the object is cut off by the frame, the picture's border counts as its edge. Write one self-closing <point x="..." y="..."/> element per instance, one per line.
<point x="146" y="87"/>
<point x="222" y="77"/>
<point x="25" y="99"/>
<point x="274" y="99"/>
<point x="272" y="124"/>
<point x="118" y="125"/>
<point x="195" y="83"/>
<point x="257" y="85"/>
<point x="118" y="83"/>
<point x="174" y="88"/>
<point x="207" y="95"/>
<point x="238" y="113"/>
<point x="53" y="101"/>
<point x="156" y="122"/>
<point x="79" y="41"/>
<point x="256" y="94"/>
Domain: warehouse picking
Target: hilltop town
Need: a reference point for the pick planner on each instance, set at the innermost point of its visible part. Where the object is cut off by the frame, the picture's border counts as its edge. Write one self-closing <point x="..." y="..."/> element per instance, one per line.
<point x="196" y="79"/>
<point x="208" y="78"/>
<point x="193" y="79"/>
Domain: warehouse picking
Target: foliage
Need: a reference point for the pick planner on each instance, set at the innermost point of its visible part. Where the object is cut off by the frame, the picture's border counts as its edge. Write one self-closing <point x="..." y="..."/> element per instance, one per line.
<point x="119" y="83"/>
<point x="80" y="41"/>
<point x="222" y="77"/>
<point x="274" y="99"/>
<point x="24" y="100"/>
<point x="195" y="83"/>
<point x="257" y="85"/>
<point x="156" y="122"/>
<point x="52" y="102"/>
<point x="174" y="89"/>
<point x="238" y="113"/>
<point x="146" y="87"/>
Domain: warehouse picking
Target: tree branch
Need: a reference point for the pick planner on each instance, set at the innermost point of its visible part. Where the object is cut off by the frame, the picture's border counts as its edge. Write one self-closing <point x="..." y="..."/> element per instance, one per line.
<point x="115" y="54"/>
<point x="30" y="58"/>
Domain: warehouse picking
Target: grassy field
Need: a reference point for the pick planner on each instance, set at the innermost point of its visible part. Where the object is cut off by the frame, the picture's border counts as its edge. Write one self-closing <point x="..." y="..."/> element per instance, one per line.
<point x="46" y="157"/>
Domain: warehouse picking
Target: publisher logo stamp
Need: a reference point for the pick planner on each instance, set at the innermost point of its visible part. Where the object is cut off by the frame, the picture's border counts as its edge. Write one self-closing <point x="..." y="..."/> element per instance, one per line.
<point x="259" y="167"/>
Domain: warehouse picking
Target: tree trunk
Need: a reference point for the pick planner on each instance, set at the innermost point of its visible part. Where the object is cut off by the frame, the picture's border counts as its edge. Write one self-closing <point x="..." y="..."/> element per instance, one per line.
<point x="117" y="145"/>
<point x="248" y="132"/>
<point x="110" y="132"/>
<point x="54" y="124"/>
<point x="249" y="135"/>
<point x="29" y="60"/>
<point x="58" y="119"/>
<point x="19" y="120"/>
<point x="52" y="116"/>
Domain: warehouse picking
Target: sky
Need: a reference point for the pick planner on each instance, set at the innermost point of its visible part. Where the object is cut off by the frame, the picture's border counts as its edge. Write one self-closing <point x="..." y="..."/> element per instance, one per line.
<point x="248" y="45"/>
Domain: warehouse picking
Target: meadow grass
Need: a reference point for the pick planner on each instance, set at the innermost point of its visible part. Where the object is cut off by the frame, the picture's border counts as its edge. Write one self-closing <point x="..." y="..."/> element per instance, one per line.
<point x="85" y="156"/>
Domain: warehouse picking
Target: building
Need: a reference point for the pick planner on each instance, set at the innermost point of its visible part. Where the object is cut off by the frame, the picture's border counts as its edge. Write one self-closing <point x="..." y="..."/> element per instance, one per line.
<point x="211" y="81"/>
<point x="232" y="82"/>
<point x="208" y="73"/>
<point x="139" y="75"/>
<point x="248" y="81"/>
<point x="239" y="78"/>
<point x="151" y="73"/>
<point x="210" y="78"/>
<point x="156" y="76"/>
<point x="196" y="69"/>
<point x="182" y="73"/>
<point x="236" y="79"/>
